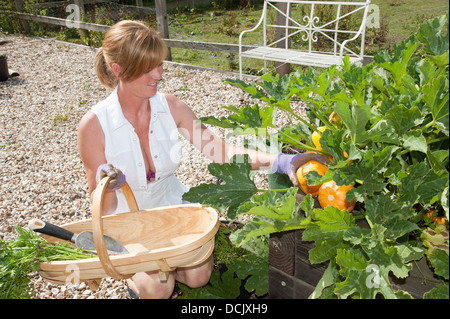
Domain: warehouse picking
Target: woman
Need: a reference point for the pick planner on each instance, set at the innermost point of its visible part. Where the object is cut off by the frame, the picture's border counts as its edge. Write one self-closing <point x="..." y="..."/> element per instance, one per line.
<point x="133" y="135"/>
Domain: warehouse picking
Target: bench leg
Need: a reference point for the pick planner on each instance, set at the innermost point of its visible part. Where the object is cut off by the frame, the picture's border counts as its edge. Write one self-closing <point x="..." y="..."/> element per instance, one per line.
<point x="240" y="67"/>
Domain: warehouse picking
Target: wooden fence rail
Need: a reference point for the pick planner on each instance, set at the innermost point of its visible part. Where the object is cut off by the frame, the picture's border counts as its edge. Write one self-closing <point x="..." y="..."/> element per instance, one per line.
<point x="162" y="25"/>
<point x="162" y="28"/>
<point x="171" y="43"/>
<point x="61" y="22"/>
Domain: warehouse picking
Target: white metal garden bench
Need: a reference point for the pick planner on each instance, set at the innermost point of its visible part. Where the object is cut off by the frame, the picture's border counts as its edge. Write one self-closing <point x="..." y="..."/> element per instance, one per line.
<point x="308" y="33"/>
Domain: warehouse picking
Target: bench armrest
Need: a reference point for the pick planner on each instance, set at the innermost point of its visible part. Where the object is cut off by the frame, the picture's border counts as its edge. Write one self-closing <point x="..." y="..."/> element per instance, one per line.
<point x="361" y="29"/>
<point x="253" y="29"/>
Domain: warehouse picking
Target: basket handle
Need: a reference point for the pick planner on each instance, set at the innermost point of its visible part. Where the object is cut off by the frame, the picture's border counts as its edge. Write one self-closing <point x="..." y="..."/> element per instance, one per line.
<point x="97" y="225"/>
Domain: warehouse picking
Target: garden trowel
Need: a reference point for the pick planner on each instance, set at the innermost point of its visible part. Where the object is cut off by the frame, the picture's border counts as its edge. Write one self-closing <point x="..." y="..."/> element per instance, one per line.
<point x="83" y="240"/>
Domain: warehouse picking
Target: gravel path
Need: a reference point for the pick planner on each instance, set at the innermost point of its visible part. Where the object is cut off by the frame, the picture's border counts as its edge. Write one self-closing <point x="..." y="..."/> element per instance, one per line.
<point x="41" y="175"/>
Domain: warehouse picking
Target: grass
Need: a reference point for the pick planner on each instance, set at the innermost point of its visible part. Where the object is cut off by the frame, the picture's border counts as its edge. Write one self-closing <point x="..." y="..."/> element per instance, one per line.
<point x="404" y="16"/>
<point x="398" y="19"/>
<point x="210" y="25"/>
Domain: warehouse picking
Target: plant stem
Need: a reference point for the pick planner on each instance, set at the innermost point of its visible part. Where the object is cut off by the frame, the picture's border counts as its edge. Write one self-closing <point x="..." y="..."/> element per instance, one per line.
<point x="320" y="117"/>
<point x="304" y="121"/>
<point x="280" y="190"/>
<point x="367" y="219"/>
<point x="301" y="145"/>
<point x="419" y="216"/>
<point x="359" y="216"/>
<point x="437" y="140"/>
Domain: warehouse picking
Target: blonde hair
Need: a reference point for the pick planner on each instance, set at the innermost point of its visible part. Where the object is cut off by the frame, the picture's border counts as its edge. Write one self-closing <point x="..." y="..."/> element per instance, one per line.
<point x="134" y="46"/>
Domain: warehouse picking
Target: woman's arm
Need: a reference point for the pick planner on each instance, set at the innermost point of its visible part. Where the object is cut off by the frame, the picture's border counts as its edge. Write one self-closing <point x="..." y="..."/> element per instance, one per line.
<point x="213" y="147"/>
<point x="91" y="146"/>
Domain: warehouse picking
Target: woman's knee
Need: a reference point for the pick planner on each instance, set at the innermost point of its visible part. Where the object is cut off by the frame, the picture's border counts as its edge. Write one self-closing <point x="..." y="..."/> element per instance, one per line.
<point x="149" y="286"/>
<point x="195" y="277"/>
<point x="199" y="279"/>
<point x="157" y="291"/>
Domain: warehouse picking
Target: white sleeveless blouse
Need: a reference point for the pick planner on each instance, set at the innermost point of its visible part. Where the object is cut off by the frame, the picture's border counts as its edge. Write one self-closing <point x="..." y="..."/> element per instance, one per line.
<point x="122" y="149"/>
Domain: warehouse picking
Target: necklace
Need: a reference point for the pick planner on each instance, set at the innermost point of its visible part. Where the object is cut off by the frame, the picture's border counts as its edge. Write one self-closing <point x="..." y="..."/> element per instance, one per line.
<point x="150" y="176"/>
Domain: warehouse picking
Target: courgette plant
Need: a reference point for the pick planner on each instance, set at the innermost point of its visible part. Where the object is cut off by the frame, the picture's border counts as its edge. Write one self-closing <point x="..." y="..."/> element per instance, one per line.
<point x="388" y="133"/>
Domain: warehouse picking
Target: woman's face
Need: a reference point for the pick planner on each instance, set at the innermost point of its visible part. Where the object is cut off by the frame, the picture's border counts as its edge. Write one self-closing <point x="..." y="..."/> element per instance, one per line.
<point x="146" y="85"/>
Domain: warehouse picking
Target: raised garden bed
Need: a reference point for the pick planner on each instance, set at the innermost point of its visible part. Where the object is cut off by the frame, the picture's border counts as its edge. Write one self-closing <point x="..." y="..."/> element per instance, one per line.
<point x="292" y="276"/>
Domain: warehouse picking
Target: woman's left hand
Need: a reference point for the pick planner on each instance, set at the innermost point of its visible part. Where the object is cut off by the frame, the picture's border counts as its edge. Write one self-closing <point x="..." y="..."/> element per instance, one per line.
<point x="289" y="164"/>
<point x="116" y="175"/>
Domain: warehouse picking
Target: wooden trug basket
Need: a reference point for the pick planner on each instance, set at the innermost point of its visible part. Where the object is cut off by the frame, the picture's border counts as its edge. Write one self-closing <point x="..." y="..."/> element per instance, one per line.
<point x="157" y="239"/>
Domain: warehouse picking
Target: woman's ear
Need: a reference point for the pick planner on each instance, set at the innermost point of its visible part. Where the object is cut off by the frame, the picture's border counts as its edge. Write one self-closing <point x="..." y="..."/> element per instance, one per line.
<point x="116" y="69"/>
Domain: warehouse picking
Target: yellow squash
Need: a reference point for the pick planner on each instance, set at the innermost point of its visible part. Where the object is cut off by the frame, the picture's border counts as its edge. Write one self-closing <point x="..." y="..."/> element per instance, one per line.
<point x="316" y="137"/>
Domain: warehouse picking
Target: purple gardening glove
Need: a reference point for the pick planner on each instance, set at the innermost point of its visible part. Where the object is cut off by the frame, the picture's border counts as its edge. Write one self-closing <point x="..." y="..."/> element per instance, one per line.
<point x="117" y="177"/>
<point x="283" y="163"/>
<point x="289" y="163"/>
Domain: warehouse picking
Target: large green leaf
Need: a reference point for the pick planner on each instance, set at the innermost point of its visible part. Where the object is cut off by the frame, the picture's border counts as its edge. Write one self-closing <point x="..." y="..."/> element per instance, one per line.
<point x="366" y="267"/>
<point x="368" y="172"/>
<point x="253" y="269"/>
<point x="397" y="227"/>
<point x="236" y="189"/>
<point x="365" y="278"/>
<point x="439" y="261"/>
<point x="398" y="69"/>
<point x="414" y="141"/>
<point x="381" y="131"/>
<point x="326" y="285"/>
<point x="421" y="185"/>
<point x="353" y="265"/>
<point x="220" y="286"/>
<point x="440" y="292"/>
<point x="356" y="81"/>
<point x="358" y="236"/>
<point x="409" y="252"/>
<point x="323" y="81"/>
<point x="386" y="257"/>
<point x="273" y="211"/>
<point x="250" y="88"/>
<point x="271" y="204"/>
<point x="432" y="186"/>
<point x="434" y="36"/>
<point x="256" y="227"/>
<point x="247" y="120"/>
<point x="327" y="231"/>
<point x="278" y="88"/>
<point x="435" y="95"/>
<point x="307" y="205"/>
<point x="426" y="70"/>
<point x="355" y="119"/>
<point x="260" y="226"/>
<point x="222" y="122"/>
<point x="333" y="143"/>
<point x="403" y="119"/>
<point x="379" y="208"/>
<point x="248" y="115"/>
